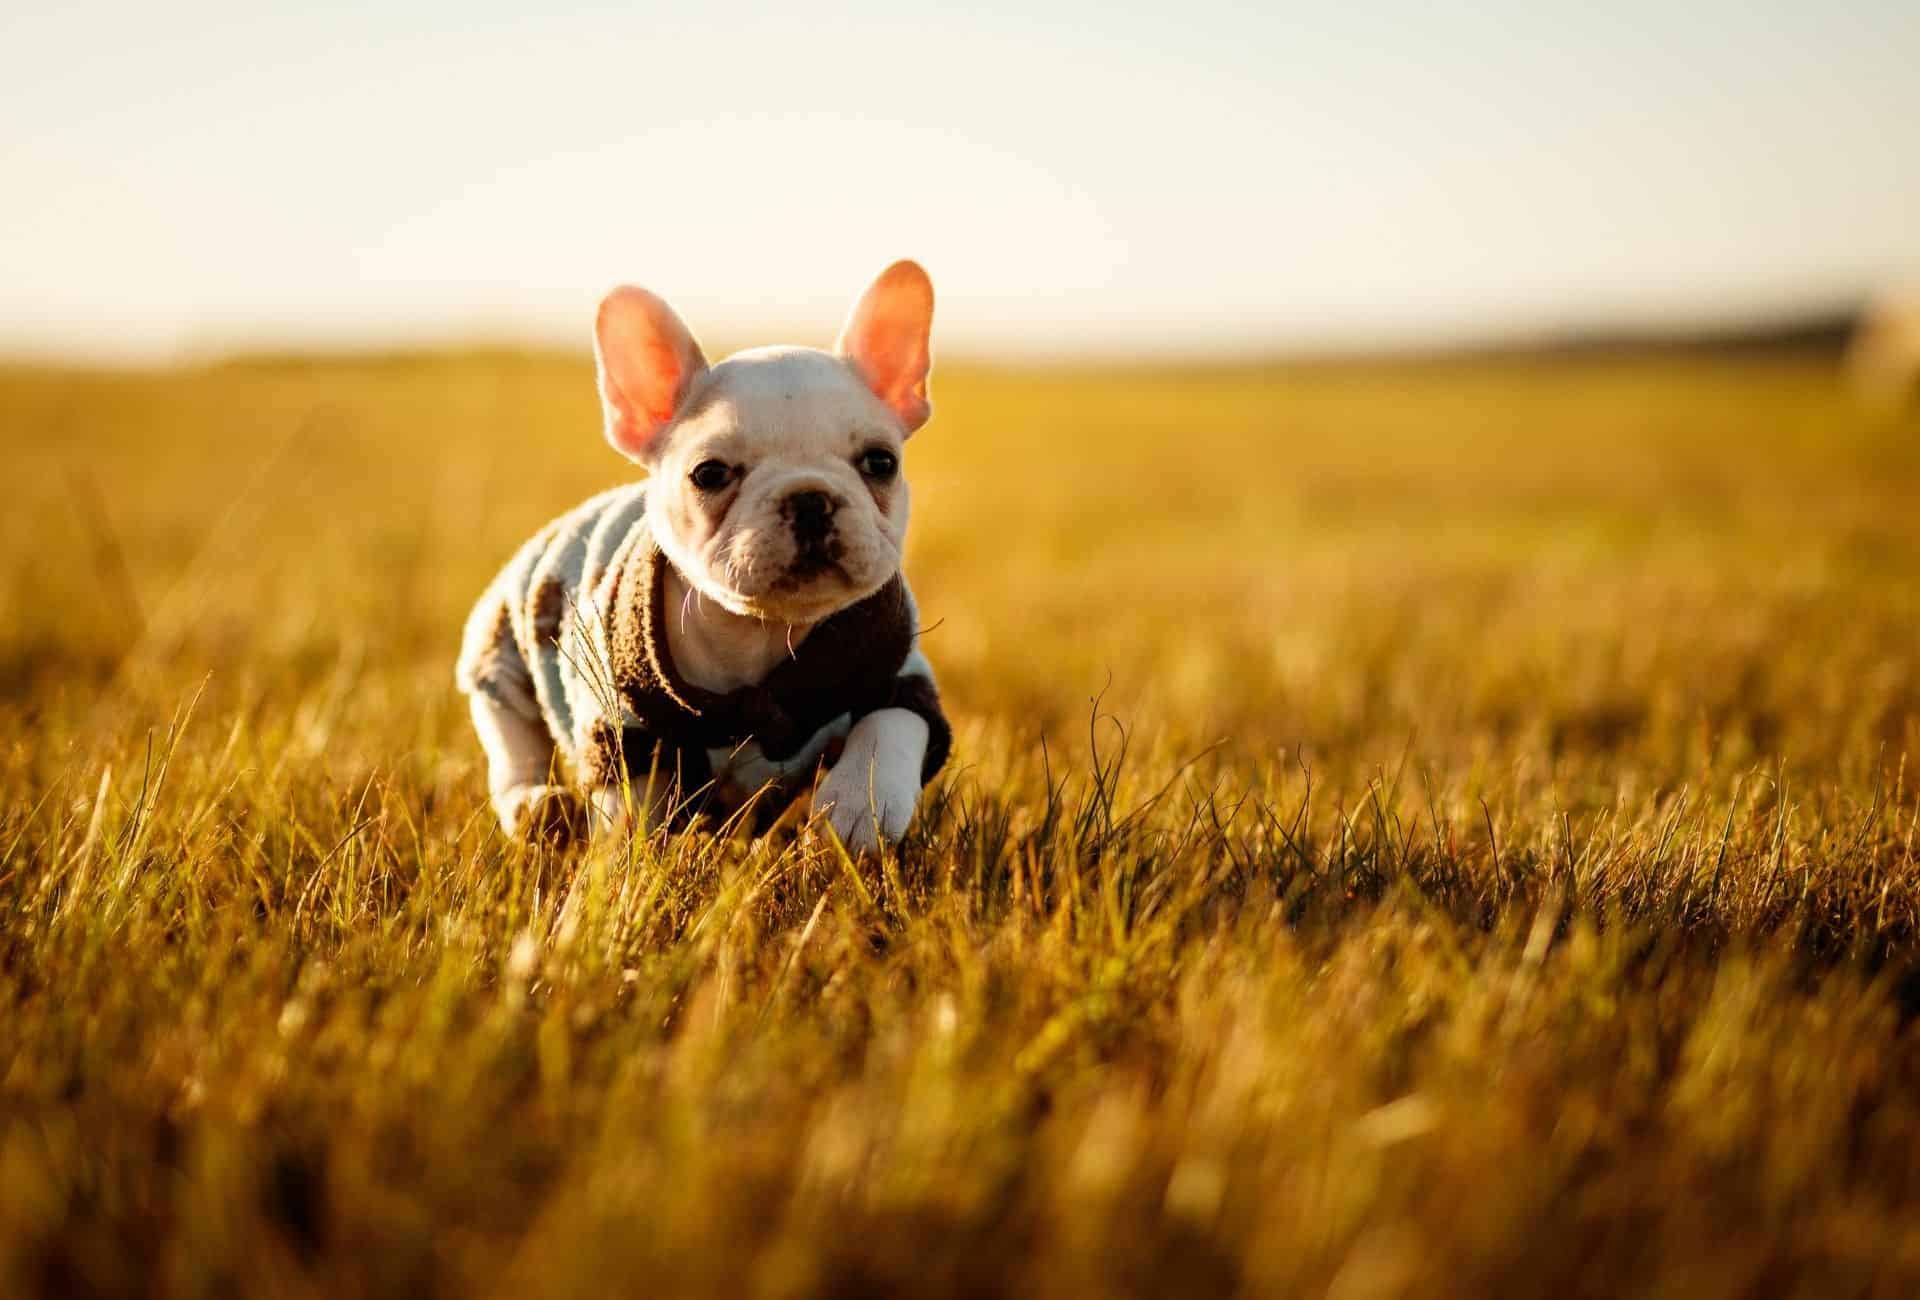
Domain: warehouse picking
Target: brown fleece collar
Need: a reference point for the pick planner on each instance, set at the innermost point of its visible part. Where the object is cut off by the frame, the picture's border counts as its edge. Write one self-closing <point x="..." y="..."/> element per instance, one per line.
<point x="847" y="664"/>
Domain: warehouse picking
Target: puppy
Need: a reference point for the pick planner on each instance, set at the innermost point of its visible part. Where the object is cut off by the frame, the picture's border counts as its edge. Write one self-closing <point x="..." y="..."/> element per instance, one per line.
<point x="677" y="647"/>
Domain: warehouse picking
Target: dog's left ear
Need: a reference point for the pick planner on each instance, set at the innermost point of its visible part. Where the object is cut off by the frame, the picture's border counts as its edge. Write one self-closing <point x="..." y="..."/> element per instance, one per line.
<point x="886" y="340"/>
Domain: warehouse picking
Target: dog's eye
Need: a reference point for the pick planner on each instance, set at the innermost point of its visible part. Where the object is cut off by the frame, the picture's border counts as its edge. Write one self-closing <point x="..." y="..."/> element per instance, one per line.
<point x="878" y="464"/>
<point x="711" y="475"/>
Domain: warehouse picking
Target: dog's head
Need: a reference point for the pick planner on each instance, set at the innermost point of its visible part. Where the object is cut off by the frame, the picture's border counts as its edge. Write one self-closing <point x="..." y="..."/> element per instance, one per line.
<point x="776" y="485"/>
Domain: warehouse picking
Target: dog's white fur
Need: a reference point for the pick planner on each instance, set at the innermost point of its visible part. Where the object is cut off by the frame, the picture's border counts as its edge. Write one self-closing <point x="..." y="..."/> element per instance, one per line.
<point x="791" y="420"/>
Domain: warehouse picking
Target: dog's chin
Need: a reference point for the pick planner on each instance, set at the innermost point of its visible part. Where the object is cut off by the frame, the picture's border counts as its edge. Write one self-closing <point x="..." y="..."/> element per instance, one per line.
<point x="802" y="595"/>
<point x="811" y="598"/>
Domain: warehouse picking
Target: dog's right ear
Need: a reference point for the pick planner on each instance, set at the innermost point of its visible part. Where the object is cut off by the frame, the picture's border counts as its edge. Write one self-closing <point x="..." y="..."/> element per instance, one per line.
<point x="648" y="361"/>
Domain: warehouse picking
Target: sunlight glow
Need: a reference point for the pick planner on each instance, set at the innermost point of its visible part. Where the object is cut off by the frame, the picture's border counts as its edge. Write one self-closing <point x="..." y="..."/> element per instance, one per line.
<point x="1077" y="178"/>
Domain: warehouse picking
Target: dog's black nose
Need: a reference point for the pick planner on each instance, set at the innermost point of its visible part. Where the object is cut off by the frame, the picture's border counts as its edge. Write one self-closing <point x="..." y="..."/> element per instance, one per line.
<point x="811" y="512"/>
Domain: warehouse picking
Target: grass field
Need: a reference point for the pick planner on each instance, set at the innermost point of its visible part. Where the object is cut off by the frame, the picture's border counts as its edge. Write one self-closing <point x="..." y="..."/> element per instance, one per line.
<point x="1419" y="830"/>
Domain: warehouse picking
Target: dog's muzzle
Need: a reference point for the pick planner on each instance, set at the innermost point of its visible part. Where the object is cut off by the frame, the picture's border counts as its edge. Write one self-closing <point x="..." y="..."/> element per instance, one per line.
<point x="810" y="514"/>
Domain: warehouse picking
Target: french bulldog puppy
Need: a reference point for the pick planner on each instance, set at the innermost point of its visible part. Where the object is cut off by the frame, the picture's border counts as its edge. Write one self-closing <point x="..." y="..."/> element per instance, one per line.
<point x="710" y="636"/>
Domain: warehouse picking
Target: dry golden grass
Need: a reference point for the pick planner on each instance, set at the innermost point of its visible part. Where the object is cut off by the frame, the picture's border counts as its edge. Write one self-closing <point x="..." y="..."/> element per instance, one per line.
<point x="1489" y="867"/>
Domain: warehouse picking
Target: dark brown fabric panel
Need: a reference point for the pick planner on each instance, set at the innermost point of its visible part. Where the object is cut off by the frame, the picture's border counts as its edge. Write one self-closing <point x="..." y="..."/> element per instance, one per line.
<point x="919" y="695"/>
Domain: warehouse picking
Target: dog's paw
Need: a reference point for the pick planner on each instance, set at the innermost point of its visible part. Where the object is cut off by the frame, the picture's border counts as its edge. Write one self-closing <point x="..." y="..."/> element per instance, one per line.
<point x="867" y="813"/>
<point x="543" y="814"/>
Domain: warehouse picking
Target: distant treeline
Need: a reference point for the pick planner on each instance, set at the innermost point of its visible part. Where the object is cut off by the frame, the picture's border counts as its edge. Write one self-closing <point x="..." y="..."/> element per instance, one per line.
<point x="1825" y="331"/>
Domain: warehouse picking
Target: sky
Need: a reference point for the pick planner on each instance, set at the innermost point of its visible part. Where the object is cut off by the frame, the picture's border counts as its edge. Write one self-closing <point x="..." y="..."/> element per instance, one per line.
<point x="1080" y="178"/>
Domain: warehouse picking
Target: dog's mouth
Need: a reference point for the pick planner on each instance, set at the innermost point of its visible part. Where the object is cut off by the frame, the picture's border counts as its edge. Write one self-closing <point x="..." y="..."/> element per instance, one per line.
<point x="815" y="560"/>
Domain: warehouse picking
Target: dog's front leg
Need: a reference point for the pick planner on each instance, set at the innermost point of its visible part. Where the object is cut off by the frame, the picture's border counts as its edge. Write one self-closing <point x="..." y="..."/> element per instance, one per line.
<point x="519" y="754"/>
<point x="870" y="794"/>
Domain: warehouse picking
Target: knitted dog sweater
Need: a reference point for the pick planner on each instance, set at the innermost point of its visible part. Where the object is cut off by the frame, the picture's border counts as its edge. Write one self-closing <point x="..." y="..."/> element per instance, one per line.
<point x="573" y="632"/>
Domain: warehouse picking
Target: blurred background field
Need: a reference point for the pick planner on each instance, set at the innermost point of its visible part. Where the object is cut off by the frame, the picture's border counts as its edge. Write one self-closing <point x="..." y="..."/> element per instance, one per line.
<point x="1420" y="827"/>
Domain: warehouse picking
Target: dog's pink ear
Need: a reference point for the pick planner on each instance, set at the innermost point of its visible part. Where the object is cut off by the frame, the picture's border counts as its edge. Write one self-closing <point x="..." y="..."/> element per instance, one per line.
<point x="648" y="360"/>
<point x="886" y="340"/>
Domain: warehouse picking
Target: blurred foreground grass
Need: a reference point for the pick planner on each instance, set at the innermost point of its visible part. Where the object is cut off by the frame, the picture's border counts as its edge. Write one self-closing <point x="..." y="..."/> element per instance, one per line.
<point x="1489" y="867"/>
